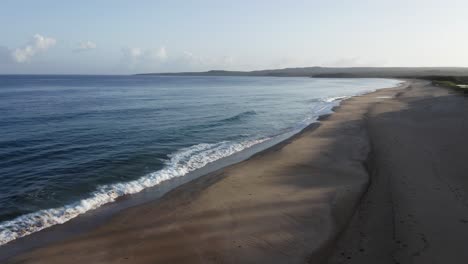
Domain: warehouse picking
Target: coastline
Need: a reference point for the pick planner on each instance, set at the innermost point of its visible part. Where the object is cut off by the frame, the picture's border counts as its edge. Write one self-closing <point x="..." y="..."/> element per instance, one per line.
<point x="115" y="169"/>
<point x="203" y="190"/>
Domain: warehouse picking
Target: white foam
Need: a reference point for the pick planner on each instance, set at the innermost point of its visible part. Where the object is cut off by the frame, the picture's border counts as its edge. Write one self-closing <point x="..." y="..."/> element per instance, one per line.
<point x="335" y="98"/>
<point x="179" y="164"/>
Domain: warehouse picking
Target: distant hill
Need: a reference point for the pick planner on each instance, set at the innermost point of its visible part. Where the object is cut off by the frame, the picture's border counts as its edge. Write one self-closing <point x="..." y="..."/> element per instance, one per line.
<point x="325" y="72"/>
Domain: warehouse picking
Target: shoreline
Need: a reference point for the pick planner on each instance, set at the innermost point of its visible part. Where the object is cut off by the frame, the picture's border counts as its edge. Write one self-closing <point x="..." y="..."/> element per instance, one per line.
<point x="278" y="146"/>
<point x="94" y="218"/>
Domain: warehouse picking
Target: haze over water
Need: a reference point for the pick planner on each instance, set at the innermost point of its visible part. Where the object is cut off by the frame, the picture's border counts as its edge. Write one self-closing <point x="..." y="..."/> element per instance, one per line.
<point x="69" y="144"/>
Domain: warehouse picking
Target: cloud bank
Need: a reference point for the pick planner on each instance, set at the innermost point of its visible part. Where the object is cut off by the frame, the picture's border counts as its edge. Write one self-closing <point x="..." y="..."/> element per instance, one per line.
<point x="36" y="45"/>
<point x="137" y="55"/>
<point x="85" y="46"/>
<point x="143" y="59"/>
<point x="138" y="60"/>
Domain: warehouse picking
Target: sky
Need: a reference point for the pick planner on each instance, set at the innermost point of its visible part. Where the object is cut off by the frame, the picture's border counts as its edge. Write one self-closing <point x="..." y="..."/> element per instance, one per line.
<point x="125" y="37"/>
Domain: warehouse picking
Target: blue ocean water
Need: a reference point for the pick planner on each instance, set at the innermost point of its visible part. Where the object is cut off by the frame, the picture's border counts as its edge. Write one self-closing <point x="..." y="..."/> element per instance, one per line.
<point x="69" y="144"/>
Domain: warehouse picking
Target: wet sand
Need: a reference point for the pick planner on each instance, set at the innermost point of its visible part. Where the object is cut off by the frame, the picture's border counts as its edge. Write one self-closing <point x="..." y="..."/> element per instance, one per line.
<point x="379" y="181"/>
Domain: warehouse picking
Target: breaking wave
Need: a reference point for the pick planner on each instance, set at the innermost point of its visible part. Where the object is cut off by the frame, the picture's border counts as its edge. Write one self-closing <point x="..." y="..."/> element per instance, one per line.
<point x="179" y="164"/>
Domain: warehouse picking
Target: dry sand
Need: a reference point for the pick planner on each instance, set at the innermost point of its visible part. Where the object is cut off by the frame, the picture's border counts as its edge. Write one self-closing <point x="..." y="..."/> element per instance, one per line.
<point x="416" y="209"/>
<point x="293" y="202"/>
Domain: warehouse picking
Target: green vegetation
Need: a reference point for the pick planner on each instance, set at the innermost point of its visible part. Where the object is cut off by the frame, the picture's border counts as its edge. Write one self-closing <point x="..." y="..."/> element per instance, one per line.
<point x="458" y="83"/>
<point x="445" y="83"/>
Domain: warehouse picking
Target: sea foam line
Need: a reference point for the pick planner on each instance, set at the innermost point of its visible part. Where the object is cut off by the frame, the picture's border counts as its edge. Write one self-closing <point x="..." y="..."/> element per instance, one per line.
<point x="179" y="164"/>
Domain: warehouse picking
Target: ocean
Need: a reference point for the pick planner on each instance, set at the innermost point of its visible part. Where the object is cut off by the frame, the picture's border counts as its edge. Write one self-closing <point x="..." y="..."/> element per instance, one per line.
<point x="71" y="144"/>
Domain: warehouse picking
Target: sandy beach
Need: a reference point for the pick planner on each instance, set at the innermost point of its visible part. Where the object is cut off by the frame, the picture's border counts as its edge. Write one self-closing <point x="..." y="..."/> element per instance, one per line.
<point x="416" y="209"/>
<point x="379" y="181"/>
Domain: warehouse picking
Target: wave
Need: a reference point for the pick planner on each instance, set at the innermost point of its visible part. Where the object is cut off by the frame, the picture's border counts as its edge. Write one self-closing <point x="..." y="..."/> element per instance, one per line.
<point x="328" y="99"/>
<point x="334" y="98"/>
<point x="179" y="164"/>
<point x="222" y="122"/>
<point x="238" y="116"/>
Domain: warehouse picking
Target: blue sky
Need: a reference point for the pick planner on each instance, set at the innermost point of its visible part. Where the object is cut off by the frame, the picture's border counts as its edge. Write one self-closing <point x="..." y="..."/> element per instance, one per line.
<point x="120" y="37"/>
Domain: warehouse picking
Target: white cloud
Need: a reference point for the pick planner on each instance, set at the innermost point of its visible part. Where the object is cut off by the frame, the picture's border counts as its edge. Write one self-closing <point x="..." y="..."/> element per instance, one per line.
<point x="37" y="44"/>
<point x="159" y="54"/>
<point x="85" y="46"/>
<point x="194" y="62"/>
<point x="190" y="58"/>
<point x="131" y="55"/>
<point x="137" y="58"/>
